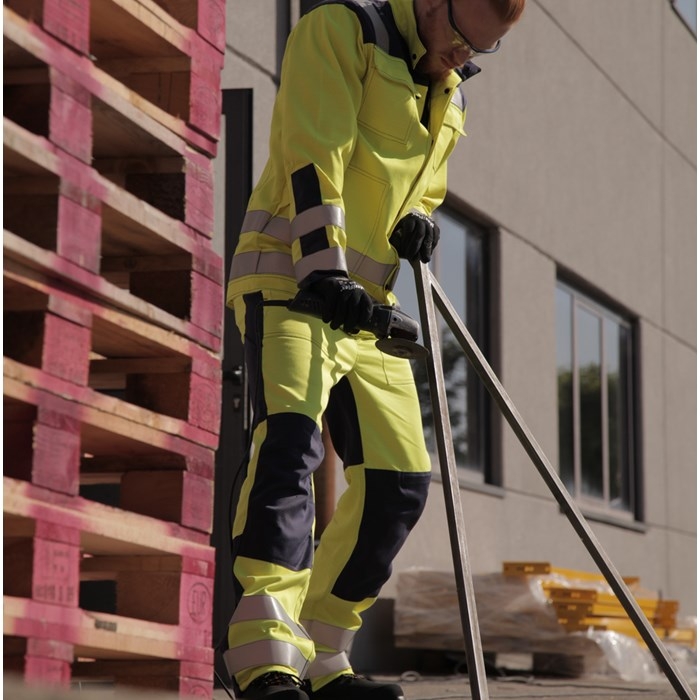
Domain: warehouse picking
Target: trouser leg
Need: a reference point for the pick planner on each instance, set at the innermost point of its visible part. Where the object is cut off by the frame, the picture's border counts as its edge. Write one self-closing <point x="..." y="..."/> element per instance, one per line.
<point x="374" y="418"/>
<point x="291" y="366"/>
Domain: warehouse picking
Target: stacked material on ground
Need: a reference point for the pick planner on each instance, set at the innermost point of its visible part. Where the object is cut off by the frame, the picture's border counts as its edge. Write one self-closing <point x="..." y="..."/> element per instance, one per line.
<point x="569" y="621"/>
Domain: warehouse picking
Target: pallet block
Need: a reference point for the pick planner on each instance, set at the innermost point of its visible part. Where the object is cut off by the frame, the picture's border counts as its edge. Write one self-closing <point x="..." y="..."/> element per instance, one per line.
<point x="42" y="446"/>
<point x="38" y="661"/>
<point x="43" y="565"/>
<point x="206" y="18"/>
<point x="67" y="20"/>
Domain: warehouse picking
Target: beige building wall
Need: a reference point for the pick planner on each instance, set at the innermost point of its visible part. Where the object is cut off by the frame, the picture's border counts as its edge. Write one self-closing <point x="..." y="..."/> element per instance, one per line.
<point x="581" y="150"/>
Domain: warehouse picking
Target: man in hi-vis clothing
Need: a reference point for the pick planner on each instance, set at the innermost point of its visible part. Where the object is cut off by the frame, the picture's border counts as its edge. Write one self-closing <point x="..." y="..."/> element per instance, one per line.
<point x="369" y="108"/>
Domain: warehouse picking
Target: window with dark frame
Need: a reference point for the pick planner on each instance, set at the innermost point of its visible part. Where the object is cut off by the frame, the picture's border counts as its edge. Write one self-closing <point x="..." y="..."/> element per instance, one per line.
<point x="687" y="10"/>
<point x="595" y="378"/>
<point x="459" y="265"/>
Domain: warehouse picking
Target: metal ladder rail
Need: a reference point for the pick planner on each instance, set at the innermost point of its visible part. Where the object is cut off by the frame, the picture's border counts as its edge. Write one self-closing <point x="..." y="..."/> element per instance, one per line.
<point x="450" y="485"/>
<point x="430" y="294"/>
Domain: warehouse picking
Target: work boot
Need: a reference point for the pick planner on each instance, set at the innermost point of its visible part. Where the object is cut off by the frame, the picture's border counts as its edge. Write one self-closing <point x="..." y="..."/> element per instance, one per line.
<point x="274" y="684"/>
<point x="352" y="687"/>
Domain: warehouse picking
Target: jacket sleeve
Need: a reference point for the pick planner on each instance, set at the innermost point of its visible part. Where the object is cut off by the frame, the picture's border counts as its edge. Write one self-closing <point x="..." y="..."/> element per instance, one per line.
<point x="319" y="98"/>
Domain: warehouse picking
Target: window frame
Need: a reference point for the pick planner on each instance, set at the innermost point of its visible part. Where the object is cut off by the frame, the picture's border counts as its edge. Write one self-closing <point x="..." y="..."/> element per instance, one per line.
<point x="690" y="22"/>
<point x="474" y="231"/>
<point x="605" y="311"/>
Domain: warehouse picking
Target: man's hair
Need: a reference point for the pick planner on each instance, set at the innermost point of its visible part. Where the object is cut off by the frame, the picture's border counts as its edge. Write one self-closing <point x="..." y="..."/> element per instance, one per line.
<point x="509" y="10"/>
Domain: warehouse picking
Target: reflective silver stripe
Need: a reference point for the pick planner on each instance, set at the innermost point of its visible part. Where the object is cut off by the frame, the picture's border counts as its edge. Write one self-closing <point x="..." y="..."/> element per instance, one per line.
<point x="278" y="227"/>
<point x="317" y="217"/>
<point x="264" y="653"/>
<point x="329" y="635"/>
<point x="259" y="263"/>
<point x="326" y="259"/>
<point x="326" y="663"/>
<point x="458" y="99"/>
<point x="264" y="607"/>
<point x="368" y="269"/>
<point x="380" y="32"/>
<point x="255" y="220"/>
<point x="260" y="221"/>
<point x="272" y="263"/>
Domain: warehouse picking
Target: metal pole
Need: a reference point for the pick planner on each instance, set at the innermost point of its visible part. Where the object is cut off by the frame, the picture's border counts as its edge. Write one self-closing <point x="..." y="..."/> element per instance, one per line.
<point x="450" y="484"/>
<point x="556" y="486"/>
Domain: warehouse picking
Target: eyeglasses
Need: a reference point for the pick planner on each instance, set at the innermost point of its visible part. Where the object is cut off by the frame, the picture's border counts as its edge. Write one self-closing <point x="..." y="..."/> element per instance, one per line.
<point x="461" y="40"/>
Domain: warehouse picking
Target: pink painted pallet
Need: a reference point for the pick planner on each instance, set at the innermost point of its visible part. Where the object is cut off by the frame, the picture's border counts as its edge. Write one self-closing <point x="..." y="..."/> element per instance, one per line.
<point x="97" y="348"/>
<point x="143" y="47"/>
<point x="70" y="20"/>
<point x="63" y="216"/>
<point x="57" y="546"/>
<point x="52" y="92"/>
<point x="53" y="441"/>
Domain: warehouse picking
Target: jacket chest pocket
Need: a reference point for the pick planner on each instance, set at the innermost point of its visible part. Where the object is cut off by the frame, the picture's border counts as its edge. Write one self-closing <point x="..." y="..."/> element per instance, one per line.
<point x="388" y="105"/>
<point x="451" y="130"/>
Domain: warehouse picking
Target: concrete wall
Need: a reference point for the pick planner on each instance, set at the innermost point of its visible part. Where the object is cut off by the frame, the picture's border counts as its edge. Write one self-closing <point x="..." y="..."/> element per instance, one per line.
<point x="582" y="151"/>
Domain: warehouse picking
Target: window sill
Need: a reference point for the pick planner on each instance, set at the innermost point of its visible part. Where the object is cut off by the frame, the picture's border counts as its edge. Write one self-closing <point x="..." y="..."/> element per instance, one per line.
<point x="615" y="520"/>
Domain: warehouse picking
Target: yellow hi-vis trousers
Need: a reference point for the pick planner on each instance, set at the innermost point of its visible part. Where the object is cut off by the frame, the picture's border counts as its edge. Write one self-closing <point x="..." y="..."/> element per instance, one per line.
<point x="298" y="609"/>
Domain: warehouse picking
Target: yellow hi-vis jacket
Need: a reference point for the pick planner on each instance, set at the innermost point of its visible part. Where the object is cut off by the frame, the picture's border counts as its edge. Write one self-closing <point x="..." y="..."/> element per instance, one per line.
<point x="359" y="138"/>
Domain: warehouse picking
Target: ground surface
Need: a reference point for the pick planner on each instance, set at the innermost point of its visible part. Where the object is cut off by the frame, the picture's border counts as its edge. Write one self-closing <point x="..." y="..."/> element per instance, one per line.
<point x="419" y="688"/>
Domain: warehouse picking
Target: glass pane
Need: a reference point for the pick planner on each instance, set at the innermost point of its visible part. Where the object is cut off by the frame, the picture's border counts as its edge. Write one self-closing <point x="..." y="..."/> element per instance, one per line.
<point x="476" y="324"/>
<point x="458" y="266"/>
<point x="688" y="10"/>
<point x="616" y="369"/>
<point x="588" y="332"/>
<point x="565" y="387"/>
<point x="451" y="271"/>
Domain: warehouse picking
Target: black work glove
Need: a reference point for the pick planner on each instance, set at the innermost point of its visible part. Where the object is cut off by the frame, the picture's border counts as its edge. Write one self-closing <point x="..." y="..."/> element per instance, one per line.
<point x="345" y="302"/>
<point x="415" y="236"/>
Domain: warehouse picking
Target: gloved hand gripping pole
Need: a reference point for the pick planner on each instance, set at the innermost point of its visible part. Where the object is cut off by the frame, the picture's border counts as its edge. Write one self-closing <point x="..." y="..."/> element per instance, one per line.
<point x="431" y="295"/>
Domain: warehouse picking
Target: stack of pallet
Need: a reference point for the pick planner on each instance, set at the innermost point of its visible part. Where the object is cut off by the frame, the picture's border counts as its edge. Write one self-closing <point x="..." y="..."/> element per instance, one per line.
<point x="112" y="329"/>
<point x="583" y="601"/>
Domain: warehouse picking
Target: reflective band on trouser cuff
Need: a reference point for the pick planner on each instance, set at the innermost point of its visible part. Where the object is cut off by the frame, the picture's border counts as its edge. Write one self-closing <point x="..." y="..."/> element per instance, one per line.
<point x="262" y="264"/>
<point x="264" y="607"/>
<point x="326" y="663"/>
<point x="266" y="652"/>
<point x="328" y="635"/>
<point x="317" y="217"/>
<point x="261" y="221"/>
<point x="326" y="259"/>
<point x="368" y="269"/>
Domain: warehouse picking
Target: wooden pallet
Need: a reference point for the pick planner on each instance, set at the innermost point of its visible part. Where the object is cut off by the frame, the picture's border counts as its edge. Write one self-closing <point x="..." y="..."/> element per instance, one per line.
<point x="109" y="244"/>
<point x="172" y="70"/>
<point x="102" y="122"/>
<point x="113" y="306"/>
<point x="162" y="575"/>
